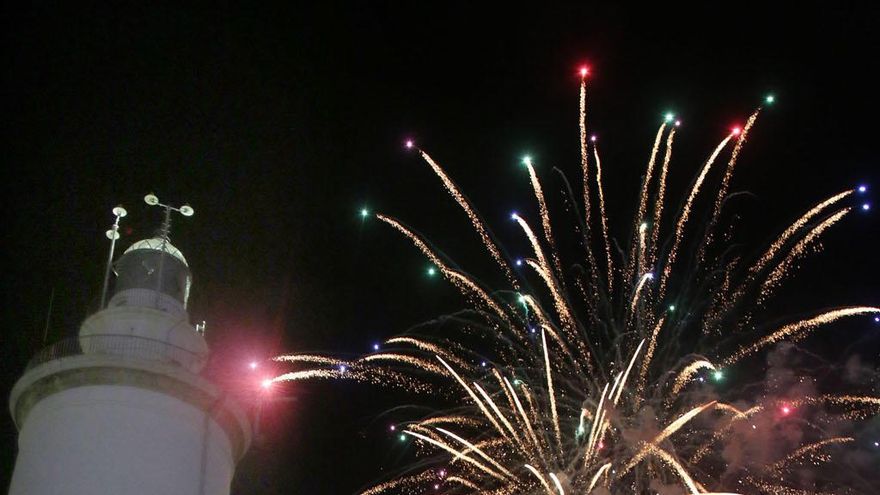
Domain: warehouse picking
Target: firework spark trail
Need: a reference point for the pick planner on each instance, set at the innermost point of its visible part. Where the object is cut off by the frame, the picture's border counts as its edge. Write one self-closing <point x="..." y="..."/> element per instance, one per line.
<point x="546" y="324"/>
<point x="403" y="358"/>
<point x="464" y="282"/>
<point x="663" y="435"/>
<point x="685" y="375"/>
<point x="462" y="481"/>
<point x="599" y="415"/>
<point x="774" y="489"/>
<point x="626" y="373"/>
<point x="806" y="449"/>
<point x="638" y="291"/>
<point x="500" y="380"/>
<point x="616" y="383"/>
<point x="798" y="330"/>
<point x="719" y="434"/>
<point x="475" y="219"/>
<point x="533" y="410"/>
<point x="494" y="442"/>
<point x="540" y="478"/>
<point x="585" y="169"/>
<point x="546" y="273"/>
<point x="604" y="218"/>
<point x="727" y="407"/>
<point x="557" y="483"/>
<point x="596" y="476"/>
<point x="453" y="420"/>
<point x="776" y="276"/>
<point x="793" y="228"/>
<point x="431" y="348"/>
<point x="500" y="416"/>
<point x="404" y="482"/>
<point x="602" y="421"/>
<point x="308" y="375"/>
<point x="375" y="376"/>
<point x="685" y="214"/>
<point x="661" y="197"/>
<point x="847" y="400"/>
<point x="308" y="358"/>
<point x="461" y="281"/>
<point x="474" y="397"/>
<point x="558" y="302"/>
<point x="725" y="180"/>
<point x="525" y="419"/>
<point x="635" y="262"/>
<point x="545" y="220"/>
<point x="649" y="355"/>
<point x="460" y="455"/>
<point x="550" y="392"/>
<point x="641" y="259"/>
<point x="674" y="464"/>
<point x="478" y="450"/>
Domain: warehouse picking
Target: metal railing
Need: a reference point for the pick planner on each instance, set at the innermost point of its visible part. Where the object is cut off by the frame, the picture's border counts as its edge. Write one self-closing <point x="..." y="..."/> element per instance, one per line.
<point x="121" y="346"/>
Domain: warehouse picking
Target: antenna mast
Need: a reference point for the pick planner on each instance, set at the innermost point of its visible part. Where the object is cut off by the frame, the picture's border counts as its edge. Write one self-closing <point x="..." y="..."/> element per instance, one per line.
<point x="185" y="210"/>
<point x="111" y="234"/>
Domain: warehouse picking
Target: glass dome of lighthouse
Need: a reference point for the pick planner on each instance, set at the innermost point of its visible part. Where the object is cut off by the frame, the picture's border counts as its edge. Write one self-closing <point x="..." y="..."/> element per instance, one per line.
<point x="154" y="264"/>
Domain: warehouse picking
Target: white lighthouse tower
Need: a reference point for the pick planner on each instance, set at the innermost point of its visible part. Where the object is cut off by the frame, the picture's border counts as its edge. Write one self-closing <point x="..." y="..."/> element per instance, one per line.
<point x="122" y="408"/>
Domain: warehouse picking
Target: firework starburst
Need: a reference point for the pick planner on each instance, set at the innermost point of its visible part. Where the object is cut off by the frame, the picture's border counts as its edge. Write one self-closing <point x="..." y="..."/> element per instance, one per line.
<point x="600" y="380"/>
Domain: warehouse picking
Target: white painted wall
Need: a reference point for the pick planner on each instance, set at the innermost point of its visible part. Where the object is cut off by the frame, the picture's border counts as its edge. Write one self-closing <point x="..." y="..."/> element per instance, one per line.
<point x="111" y="439"/>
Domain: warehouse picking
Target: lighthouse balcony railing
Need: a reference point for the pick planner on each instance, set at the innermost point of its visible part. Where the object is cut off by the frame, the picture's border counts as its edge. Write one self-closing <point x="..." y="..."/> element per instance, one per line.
<point x="118" y="346"/>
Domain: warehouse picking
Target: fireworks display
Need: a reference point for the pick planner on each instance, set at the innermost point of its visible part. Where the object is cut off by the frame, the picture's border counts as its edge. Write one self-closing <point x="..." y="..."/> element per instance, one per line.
<point x="604" y="379"/>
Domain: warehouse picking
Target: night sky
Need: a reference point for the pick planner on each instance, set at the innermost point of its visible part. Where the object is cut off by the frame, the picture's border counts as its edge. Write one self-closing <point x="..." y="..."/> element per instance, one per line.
<point x="278" y="124"/>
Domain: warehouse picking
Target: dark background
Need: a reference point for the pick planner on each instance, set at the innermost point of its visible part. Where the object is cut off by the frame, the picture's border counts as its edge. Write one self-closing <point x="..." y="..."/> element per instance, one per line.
<point x="279" y="123"/>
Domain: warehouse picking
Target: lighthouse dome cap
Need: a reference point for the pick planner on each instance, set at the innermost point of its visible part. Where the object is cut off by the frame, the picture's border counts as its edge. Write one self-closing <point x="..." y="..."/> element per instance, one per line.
<point x="158" y="244"/>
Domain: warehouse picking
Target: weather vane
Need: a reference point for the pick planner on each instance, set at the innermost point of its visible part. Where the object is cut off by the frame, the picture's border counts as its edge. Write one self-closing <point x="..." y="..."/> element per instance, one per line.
<point x="185" y="210"/>
<point x="165" y="231"/>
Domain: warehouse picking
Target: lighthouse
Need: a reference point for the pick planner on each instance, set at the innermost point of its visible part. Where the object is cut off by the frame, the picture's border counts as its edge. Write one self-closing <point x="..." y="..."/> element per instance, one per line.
<point x="122" y="408"/>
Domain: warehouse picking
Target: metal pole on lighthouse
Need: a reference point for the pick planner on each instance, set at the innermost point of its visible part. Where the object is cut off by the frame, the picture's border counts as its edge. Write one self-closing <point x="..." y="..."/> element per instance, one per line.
<point x="112" y="234"/>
